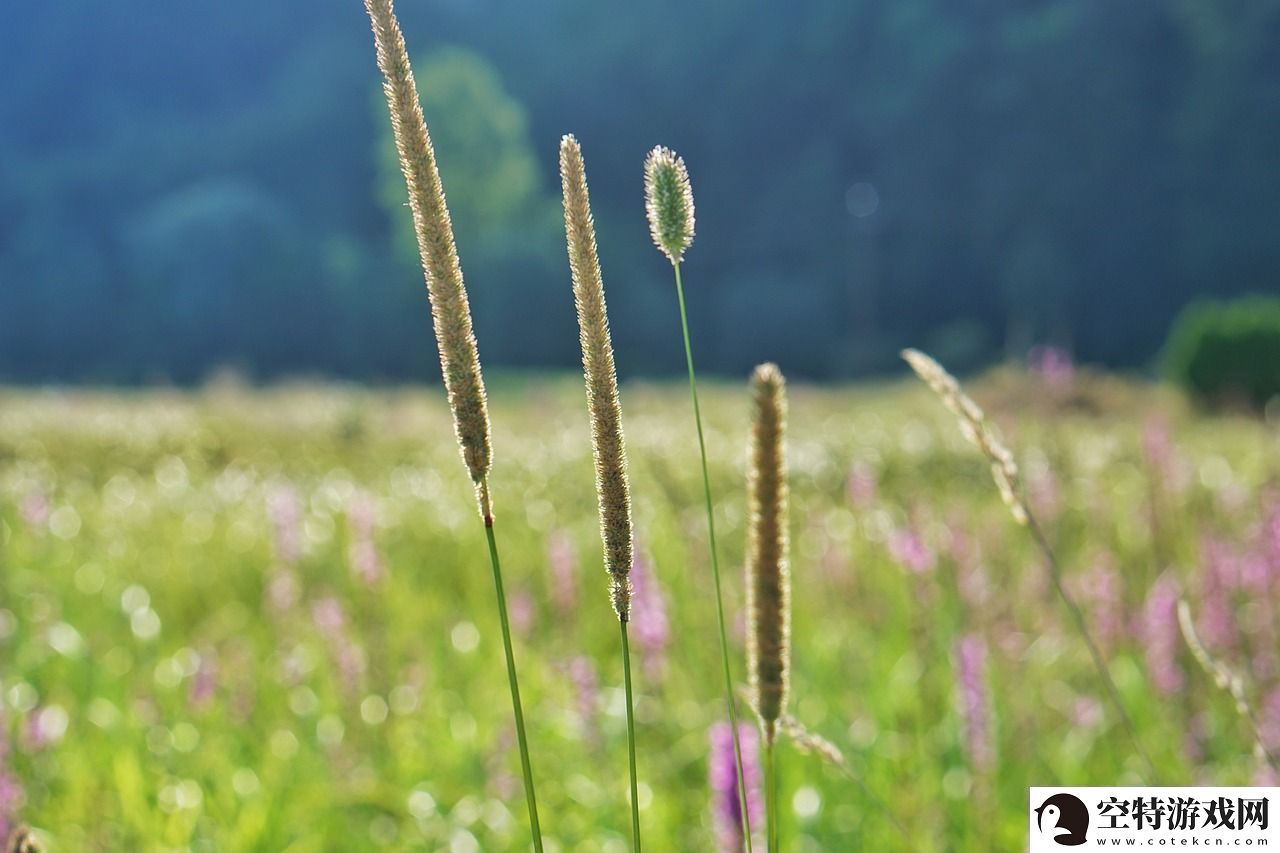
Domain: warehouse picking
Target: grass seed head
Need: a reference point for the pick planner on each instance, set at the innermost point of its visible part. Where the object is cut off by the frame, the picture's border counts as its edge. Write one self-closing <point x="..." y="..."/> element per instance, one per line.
<point x="668" y="201"/>
<point x="450" y="311"/>
<point x="608" y="444"/>
<point x="975" y="427"/>
<point x="768" y="573"/>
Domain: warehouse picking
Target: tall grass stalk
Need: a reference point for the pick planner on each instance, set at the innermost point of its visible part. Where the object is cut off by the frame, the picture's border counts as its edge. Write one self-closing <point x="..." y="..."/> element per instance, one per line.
<point x="975" y="427"/>
<point x="768" y="573"/>
<point x="608" y="444"/>
<point x="669" y="207"/>
<point x="450" y="317"/>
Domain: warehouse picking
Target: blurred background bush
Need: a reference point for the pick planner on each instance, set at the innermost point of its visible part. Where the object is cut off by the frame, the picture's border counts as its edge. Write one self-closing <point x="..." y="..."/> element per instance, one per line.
<point x="1228" y="353"/>
<point x="185" y="187"/>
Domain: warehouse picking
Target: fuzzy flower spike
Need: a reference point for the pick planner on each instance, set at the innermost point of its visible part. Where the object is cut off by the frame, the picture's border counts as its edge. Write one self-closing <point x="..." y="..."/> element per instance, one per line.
<point x="451" y="318"/>
<point x="668" y="201"/>
<point x="768" y="573"/>
<point x="607" y="441"/>
<point x="450" y="310"/>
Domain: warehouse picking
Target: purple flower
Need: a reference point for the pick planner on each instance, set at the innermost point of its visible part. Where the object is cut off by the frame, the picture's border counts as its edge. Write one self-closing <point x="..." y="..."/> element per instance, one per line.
<point x="1161" y="635"/>
<point x="586" y="687"/>
<point x="1044" y="494"/>
<point x="284" y="508"/>
<point x="1267" y="549"/>
<point x="1053" y="364"/>
<point x="1269" y="725"/>
<point x="524" y="612"/>
<point x="12" y="796"/>
<point x="726" y="811"/>
<point x="1102" y="591"/>
<point x="283" y="590"/>
<point x="648" y="625"/>
<point x="909" y="550"/>
<point x="347" y="654"/>
<point x="45" y="727"/>
<point x="1219" y="577"/>
<point x="564" y="573"/>
<point x="362" y="553"/>
<point x="861" y="485"/>
<point x="971" y="678"/>
<point x="35" y="510"/>
<point x="1086" y="713"/>
<point x="1162" y="455"/>
<point x="328" y="616"/>
<point x="203" y="683"/>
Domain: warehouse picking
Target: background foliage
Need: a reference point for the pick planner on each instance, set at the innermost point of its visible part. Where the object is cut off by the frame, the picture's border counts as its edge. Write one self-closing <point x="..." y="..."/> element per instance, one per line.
<point x="184" y="186"/>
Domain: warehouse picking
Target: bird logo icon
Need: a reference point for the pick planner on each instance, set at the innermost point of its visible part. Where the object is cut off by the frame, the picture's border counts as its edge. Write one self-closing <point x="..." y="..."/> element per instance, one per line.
<point x="1064" y="818"/>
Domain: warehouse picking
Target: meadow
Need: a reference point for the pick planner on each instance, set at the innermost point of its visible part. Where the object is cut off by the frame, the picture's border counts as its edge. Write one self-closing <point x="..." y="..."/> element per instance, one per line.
<point x="246" y="620"/>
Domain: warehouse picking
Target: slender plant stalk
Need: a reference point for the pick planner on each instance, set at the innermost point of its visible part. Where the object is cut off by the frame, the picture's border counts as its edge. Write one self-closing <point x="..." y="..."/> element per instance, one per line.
<point x="525" y="766"/>
<point x="771" y="797"/>
<point x="1082" y="628"/>
<point x="715" y="564"/>
<point x="631" y="740"/>
<point x="1004" y="470"/>
<point x="668" y="202"/>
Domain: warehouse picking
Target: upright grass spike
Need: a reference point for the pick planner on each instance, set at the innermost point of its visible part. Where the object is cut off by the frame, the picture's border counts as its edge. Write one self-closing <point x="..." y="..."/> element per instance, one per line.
<point x="768" y="575"/>
<point x="669" y="207"/>
<point x="607" y="442"/>
<point x="982" y="433"/>
<point x="450" y="316"/>
<point x="668" y="203"/>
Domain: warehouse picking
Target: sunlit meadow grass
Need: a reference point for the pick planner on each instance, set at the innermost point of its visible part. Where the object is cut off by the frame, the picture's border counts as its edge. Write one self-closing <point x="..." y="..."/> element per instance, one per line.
<point x="173" y="679"/>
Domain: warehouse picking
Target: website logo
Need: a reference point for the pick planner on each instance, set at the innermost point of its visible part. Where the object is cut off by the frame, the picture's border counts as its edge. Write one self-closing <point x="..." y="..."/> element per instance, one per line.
<point x="1059" y="819"/>
<point x="1065" y="819"/>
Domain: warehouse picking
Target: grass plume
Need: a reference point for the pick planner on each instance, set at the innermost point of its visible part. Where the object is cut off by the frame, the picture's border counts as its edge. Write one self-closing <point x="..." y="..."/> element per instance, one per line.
<point x="768" y="580"/>
<point x="768" y="575"/>
<point x="1226" y="680"/>
<point x="607" y="442"/>
<point x="451" y="318"/>
<point x="975" y="426"/>
<point x="669" y="206"/>
<point x="450" y="310"/>
<point x="668" y="201"/>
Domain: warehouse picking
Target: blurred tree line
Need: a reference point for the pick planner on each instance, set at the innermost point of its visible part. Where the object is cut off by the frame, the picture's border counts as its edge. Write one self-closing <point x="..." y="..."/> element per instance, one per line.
<point x="188" y="186"/>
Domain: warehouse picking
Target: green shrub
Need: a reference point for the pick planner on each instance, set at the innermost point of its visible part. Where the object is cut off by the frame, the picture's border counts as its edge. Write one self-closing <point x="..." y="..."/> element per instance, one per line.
<point x="1227" y="352"/>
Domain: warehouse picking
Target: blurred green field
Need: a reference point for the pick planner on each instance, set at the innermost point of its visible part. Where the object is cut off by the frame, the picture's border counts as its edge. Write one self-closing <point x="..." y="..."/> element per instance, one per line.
<point x="173" y="679"/>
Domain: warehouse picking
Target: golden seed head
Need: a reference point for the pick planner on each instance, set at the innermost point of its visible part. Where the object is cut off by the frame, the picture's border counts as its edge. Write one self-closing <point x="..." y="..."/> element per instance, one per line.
<point x="975" y="427"/>
<point x="768" y="580"/>
<point x="608" y="445"/>
<point x="668" y="201"/>
<point x="450" y="311"/>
